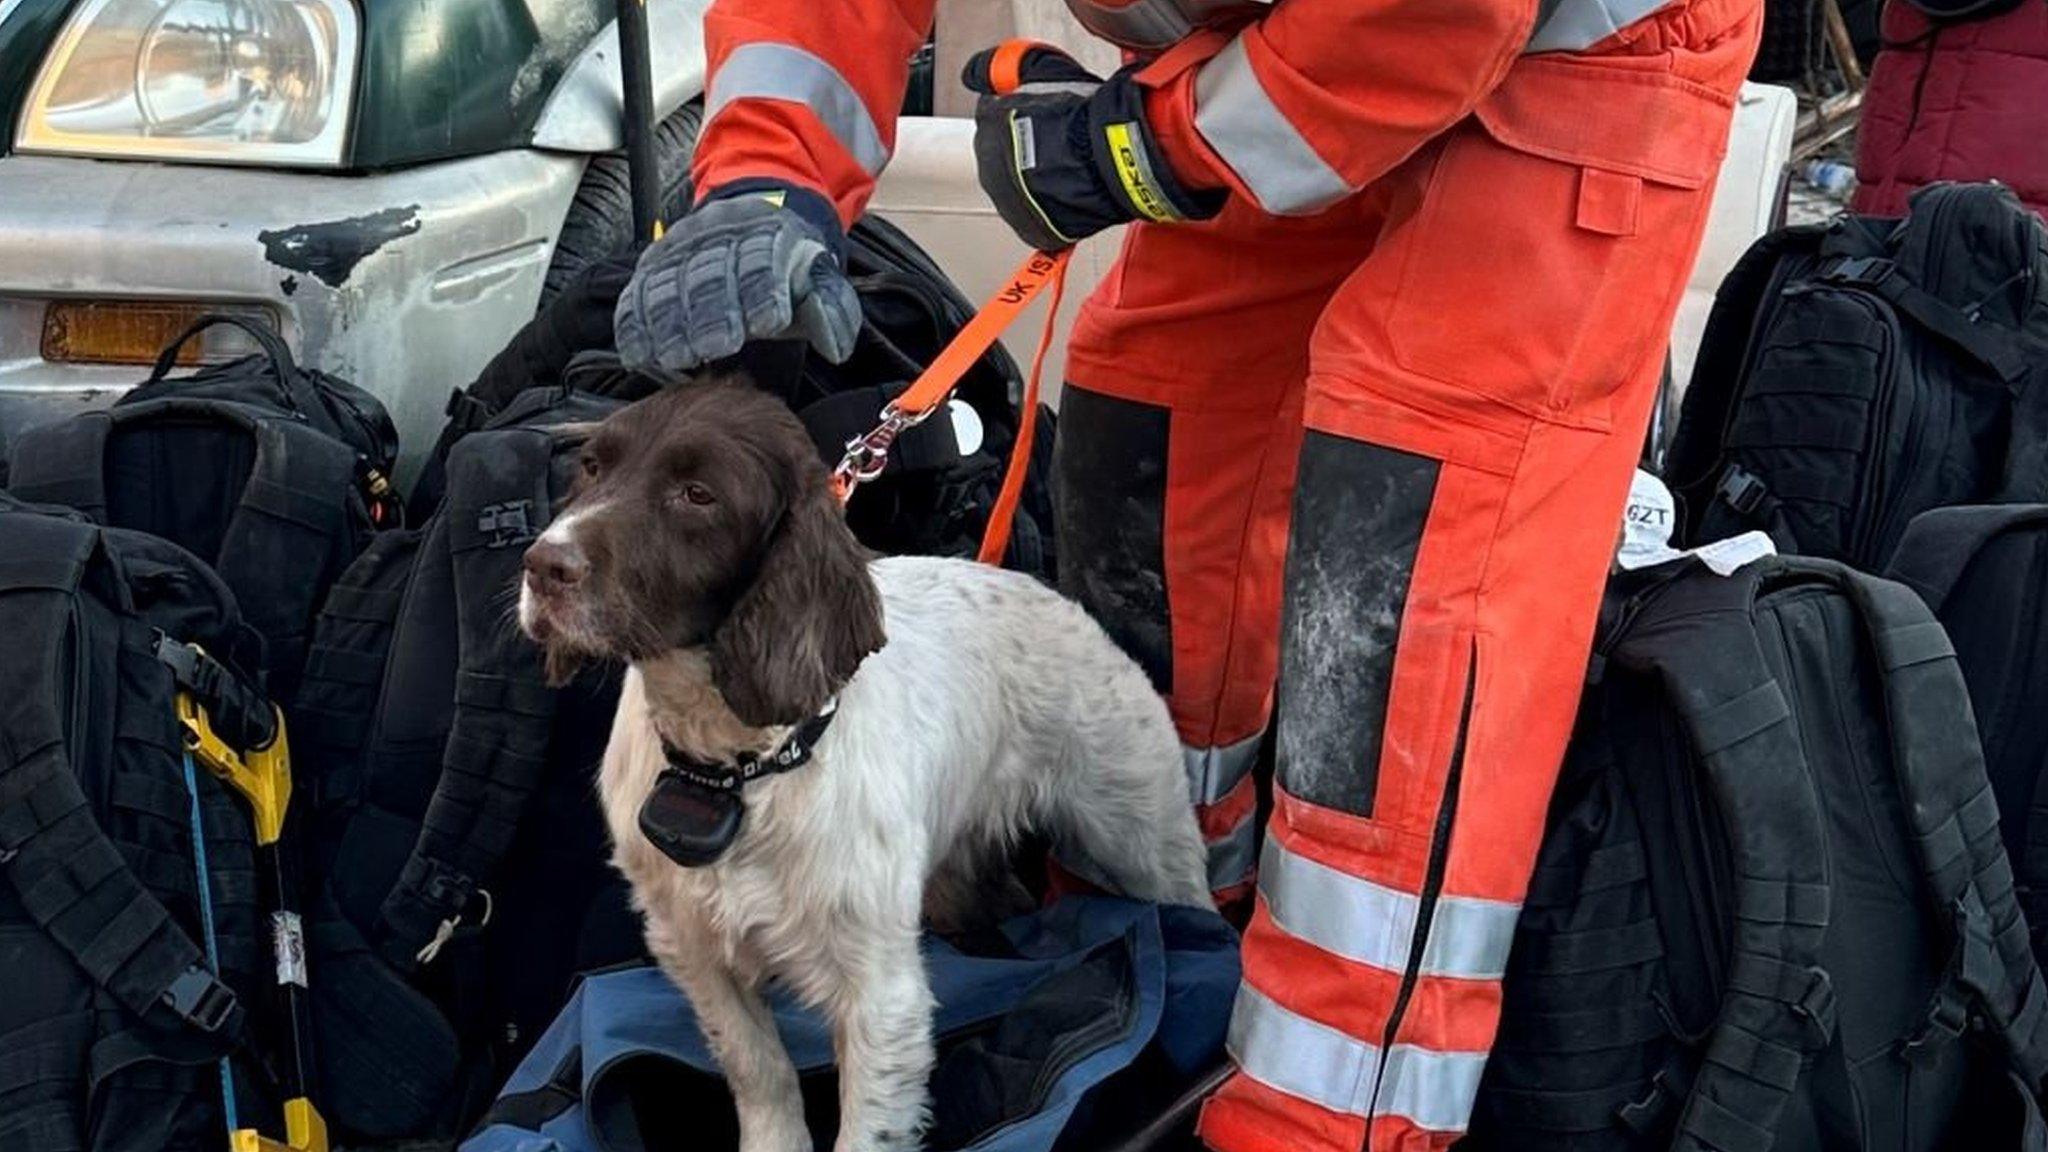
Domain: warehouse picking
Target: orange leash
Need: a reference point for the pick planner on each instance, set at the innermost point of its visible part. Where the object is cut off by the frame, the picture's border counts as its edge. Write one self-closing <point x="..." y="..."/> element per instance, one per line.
<point x="867" y="455"/>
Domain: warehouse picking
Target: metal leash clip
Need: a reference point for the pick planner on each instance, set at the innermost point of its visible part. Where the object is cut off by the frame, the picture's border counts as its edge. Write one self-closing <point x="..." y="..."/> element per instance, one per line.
<point x="867" y="456"/>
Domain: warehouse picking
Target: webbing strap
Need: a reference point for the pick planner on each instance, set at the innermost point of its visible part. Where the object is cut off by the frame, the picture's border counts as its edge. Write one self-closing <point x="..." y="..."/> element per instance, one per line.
<point x="239" y="713"/>
<point x="1711" y="1126"/>
<point x="1991" y="347"/>
<point x="1698" y="634"/>
<point x="73" y="883"/>
<point x="1921" y="643"/>
<point x="1595" y="949"/>
<point x="292" y="517"/>
<point x="1605" y="867"/>
<point x="1948" y="799"/>
<point x="867" y="456"/>
<point x="504" y="710"/>
<point x="1780" y="902"/>
<point x="1584" y="1030"/>
<point x="1719" y="727"/>
<point x="1756" y="1056"/>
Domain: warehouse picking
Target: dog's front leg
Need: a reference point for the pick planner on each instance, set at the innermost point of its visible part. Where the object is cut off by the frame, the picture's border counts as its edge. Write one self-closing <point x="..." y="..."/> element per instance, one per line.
<point x="882" y="1029"/>
<point x="741" y="1031"/>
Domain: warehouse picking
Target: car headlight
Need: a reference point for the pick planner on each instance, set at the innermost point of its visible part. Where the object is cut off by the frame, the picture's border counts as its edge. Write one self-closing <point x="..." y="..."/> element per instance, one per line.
<point x="226" y="81"/>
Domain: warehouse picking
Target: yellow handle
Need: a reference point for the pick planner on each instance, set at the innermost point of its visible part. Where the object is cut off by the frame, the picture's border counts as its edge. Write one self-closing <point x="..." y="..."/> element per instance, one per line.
<point x="262" y="775"/>
<point x="304" y="1131"/>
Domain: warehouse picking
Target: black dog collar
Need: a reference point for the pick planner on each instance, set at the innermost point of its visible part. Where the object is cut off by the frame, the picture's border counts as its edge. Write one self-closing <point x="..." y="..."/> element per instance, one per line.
<point x="694" y="812"/>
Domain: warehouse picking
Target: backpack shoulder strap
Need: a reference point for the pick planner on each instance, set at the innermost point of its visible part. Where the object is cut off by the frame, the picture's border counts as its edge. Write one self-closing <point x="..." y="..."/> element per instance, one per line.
<point x="345" y="658"/>
<point x="290" y="522"/>
<point x="1699" y="637"/>
<point x="69" y="878"/>
<point x="498" y="501"/>
<point x="65" y="463"/>
<point x="1940" y="544"/>
<point x="1948" y="800"/>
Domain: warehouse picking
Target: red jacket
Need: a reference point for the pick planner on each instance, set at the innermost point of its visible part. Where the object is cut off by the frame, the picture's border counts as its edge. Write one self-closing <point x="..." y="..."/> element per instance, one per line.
<point x="1962" y="102"/>
<point x="807" y="90"/>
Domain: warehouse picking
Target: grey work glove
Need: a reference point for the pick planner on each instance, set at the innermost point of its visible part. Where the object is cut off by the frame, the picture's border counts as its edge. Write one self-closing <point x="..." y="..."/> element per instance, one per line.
<point x="751" y="264"/>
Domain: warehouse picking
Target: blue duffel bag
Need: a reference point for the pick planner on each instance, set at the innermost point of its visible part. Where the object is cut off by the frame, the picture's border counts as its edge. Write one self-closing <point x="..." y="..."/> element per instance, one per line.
<point x="1069" y="1028"/>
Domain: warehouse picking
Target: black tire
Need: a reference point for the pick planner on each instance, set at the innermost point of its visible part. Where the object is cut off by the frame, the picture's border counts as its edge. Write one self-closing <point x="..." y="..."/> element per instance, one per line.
<point x="600" y="220"/>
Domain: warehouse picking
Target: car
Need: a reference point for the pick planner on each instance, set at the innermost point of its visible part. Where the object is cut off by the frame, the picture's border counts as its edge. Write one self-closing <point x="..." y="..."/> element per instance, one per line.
<point x="395" y="184"/>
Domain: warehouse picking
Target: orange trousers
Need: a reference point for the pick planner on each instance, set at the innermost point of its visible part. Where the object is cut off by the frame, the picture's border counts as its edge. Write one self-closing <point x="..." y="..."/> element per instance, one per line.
<point x="1441" y="387"/>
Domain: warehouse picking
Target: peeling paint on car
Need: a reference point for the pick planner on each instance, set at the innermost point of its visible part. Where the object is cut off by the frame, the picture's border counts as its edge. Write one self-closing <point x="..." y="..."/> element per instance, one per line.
<point x="330" y="250"/>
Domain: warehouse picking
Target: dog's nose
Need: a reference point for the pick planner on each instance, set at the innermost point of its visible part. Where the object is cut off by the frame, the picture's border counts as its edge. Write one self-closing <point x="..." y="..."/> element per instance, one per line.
<point x="555" y="565"/>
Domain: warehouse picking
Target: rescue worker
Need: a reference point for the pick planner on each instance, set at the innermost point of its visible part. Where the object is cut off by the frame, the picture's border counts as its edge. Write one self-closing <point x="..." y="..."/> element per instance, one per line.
<point x="1404" y="268"/>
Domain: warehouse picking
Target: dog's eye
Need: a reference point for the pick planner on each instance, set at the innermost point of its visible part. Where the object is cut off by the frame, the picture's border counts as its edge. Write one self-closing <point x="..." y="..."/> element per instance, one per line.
<point x="695" y="493"/>
<point x="588" y="462"/>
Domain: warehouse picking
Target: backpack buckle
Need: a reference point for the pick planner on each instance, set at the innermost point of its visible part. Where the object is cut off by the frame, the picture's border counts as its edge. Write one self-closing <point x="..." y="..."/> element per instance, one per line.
<point x="1648" y="1114"/>
<point x="1863" y="271"/>
<point x="190" y="666"/>
<point x="200" y="999"/>
<point x="1946" y="1021"/>
<point x="1740" y="489"/>
<point x="1816" y="1006"/>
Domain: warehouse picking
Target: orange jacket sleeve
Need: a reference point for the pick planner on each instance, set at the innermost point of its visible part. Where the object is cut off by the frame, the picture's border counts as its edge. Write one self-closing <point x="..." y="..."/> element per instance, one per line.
<point x="1321" y="97"/>
<point x="806" y="91"/>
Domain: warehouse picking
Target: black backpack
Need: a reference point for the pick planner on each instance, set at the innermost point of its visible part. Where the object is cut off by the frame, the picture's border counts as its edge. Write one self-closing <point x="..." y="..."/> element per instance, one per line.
<point x="274" y="474"/>
<point x="1984" y="572"/>
<point x="451" y="922"/>
<point x="1856" y="374"/>
<point x="1771" y="910"/>
<point x="931" y="500"/>
<point x="114" y="1021"/>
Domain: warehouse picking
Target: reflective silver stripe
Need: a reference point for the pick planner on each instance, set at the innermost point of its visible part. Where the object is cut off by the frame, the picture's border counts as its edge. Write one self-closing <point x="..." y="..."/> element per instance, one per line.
<point x="1576" y="24"/>
<point x="1237" y="118"/>
<point x="1213" y="772"/>
<point x="1231" y="857"/>
<point x="1359" y="920"/>
<point x="782" y="72"/>
<point x="1296" y="1055"/>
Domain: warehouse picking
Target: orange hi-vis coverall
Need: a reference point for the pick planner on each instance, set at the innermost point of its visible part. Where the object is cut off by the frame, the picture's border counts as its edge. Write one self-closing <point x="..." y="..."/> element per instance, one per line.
<point x="1425" y="331"/>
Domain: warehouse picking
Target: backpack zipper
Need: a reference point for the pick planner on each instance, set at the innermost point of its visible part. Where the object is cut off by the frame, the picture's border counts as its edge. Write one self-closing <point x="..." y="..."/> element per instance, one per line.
<point x="1432" y="889"/>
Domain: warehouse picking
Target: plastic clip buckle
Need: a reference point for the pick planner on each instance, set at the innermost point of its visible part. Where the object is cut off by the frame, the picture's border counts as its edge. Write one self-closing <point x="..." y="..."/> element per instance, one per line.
<point x="1740" y="490"/>
<point x="200" y="999"/>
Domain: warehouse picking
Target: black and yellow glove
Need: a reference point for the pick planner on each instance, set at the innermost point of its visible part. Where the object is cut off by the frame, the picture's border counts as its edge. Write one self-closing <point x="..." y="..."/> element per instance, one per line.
<point x="1064" y="153"/>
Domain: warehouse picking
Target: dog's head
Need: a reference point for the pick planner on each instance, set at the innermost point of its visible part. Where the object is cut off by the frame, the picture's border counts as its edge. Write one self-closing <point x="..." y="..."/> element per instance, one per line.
<point x="702" y="517"/>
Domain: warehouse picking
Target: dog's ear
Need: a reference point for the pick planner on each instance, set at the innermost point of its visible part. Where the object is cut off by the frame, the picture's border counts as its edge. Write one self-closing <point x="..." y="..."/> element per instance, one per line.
<point x="810" y="618"/>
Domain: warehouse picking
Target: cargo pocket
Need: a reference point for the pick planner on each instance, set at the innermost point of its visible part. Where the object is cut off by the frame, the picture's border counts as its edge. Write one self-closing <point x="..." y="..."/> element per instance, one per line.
<point x="1557" y="230"/>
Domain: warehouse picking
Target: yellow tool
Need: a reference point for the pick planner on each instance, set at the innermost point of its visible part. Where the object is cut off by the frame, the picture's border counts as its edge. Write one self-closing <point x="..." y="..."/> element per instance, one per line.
<point x="263" y="777"/>
<point x="304" y="1131"/>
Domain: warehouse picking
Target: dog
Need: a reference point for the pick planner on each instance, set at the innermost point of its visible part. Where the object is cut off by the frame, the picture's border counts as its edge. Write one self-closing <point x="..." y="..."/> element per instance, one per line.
<point x="961" y="706"/>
